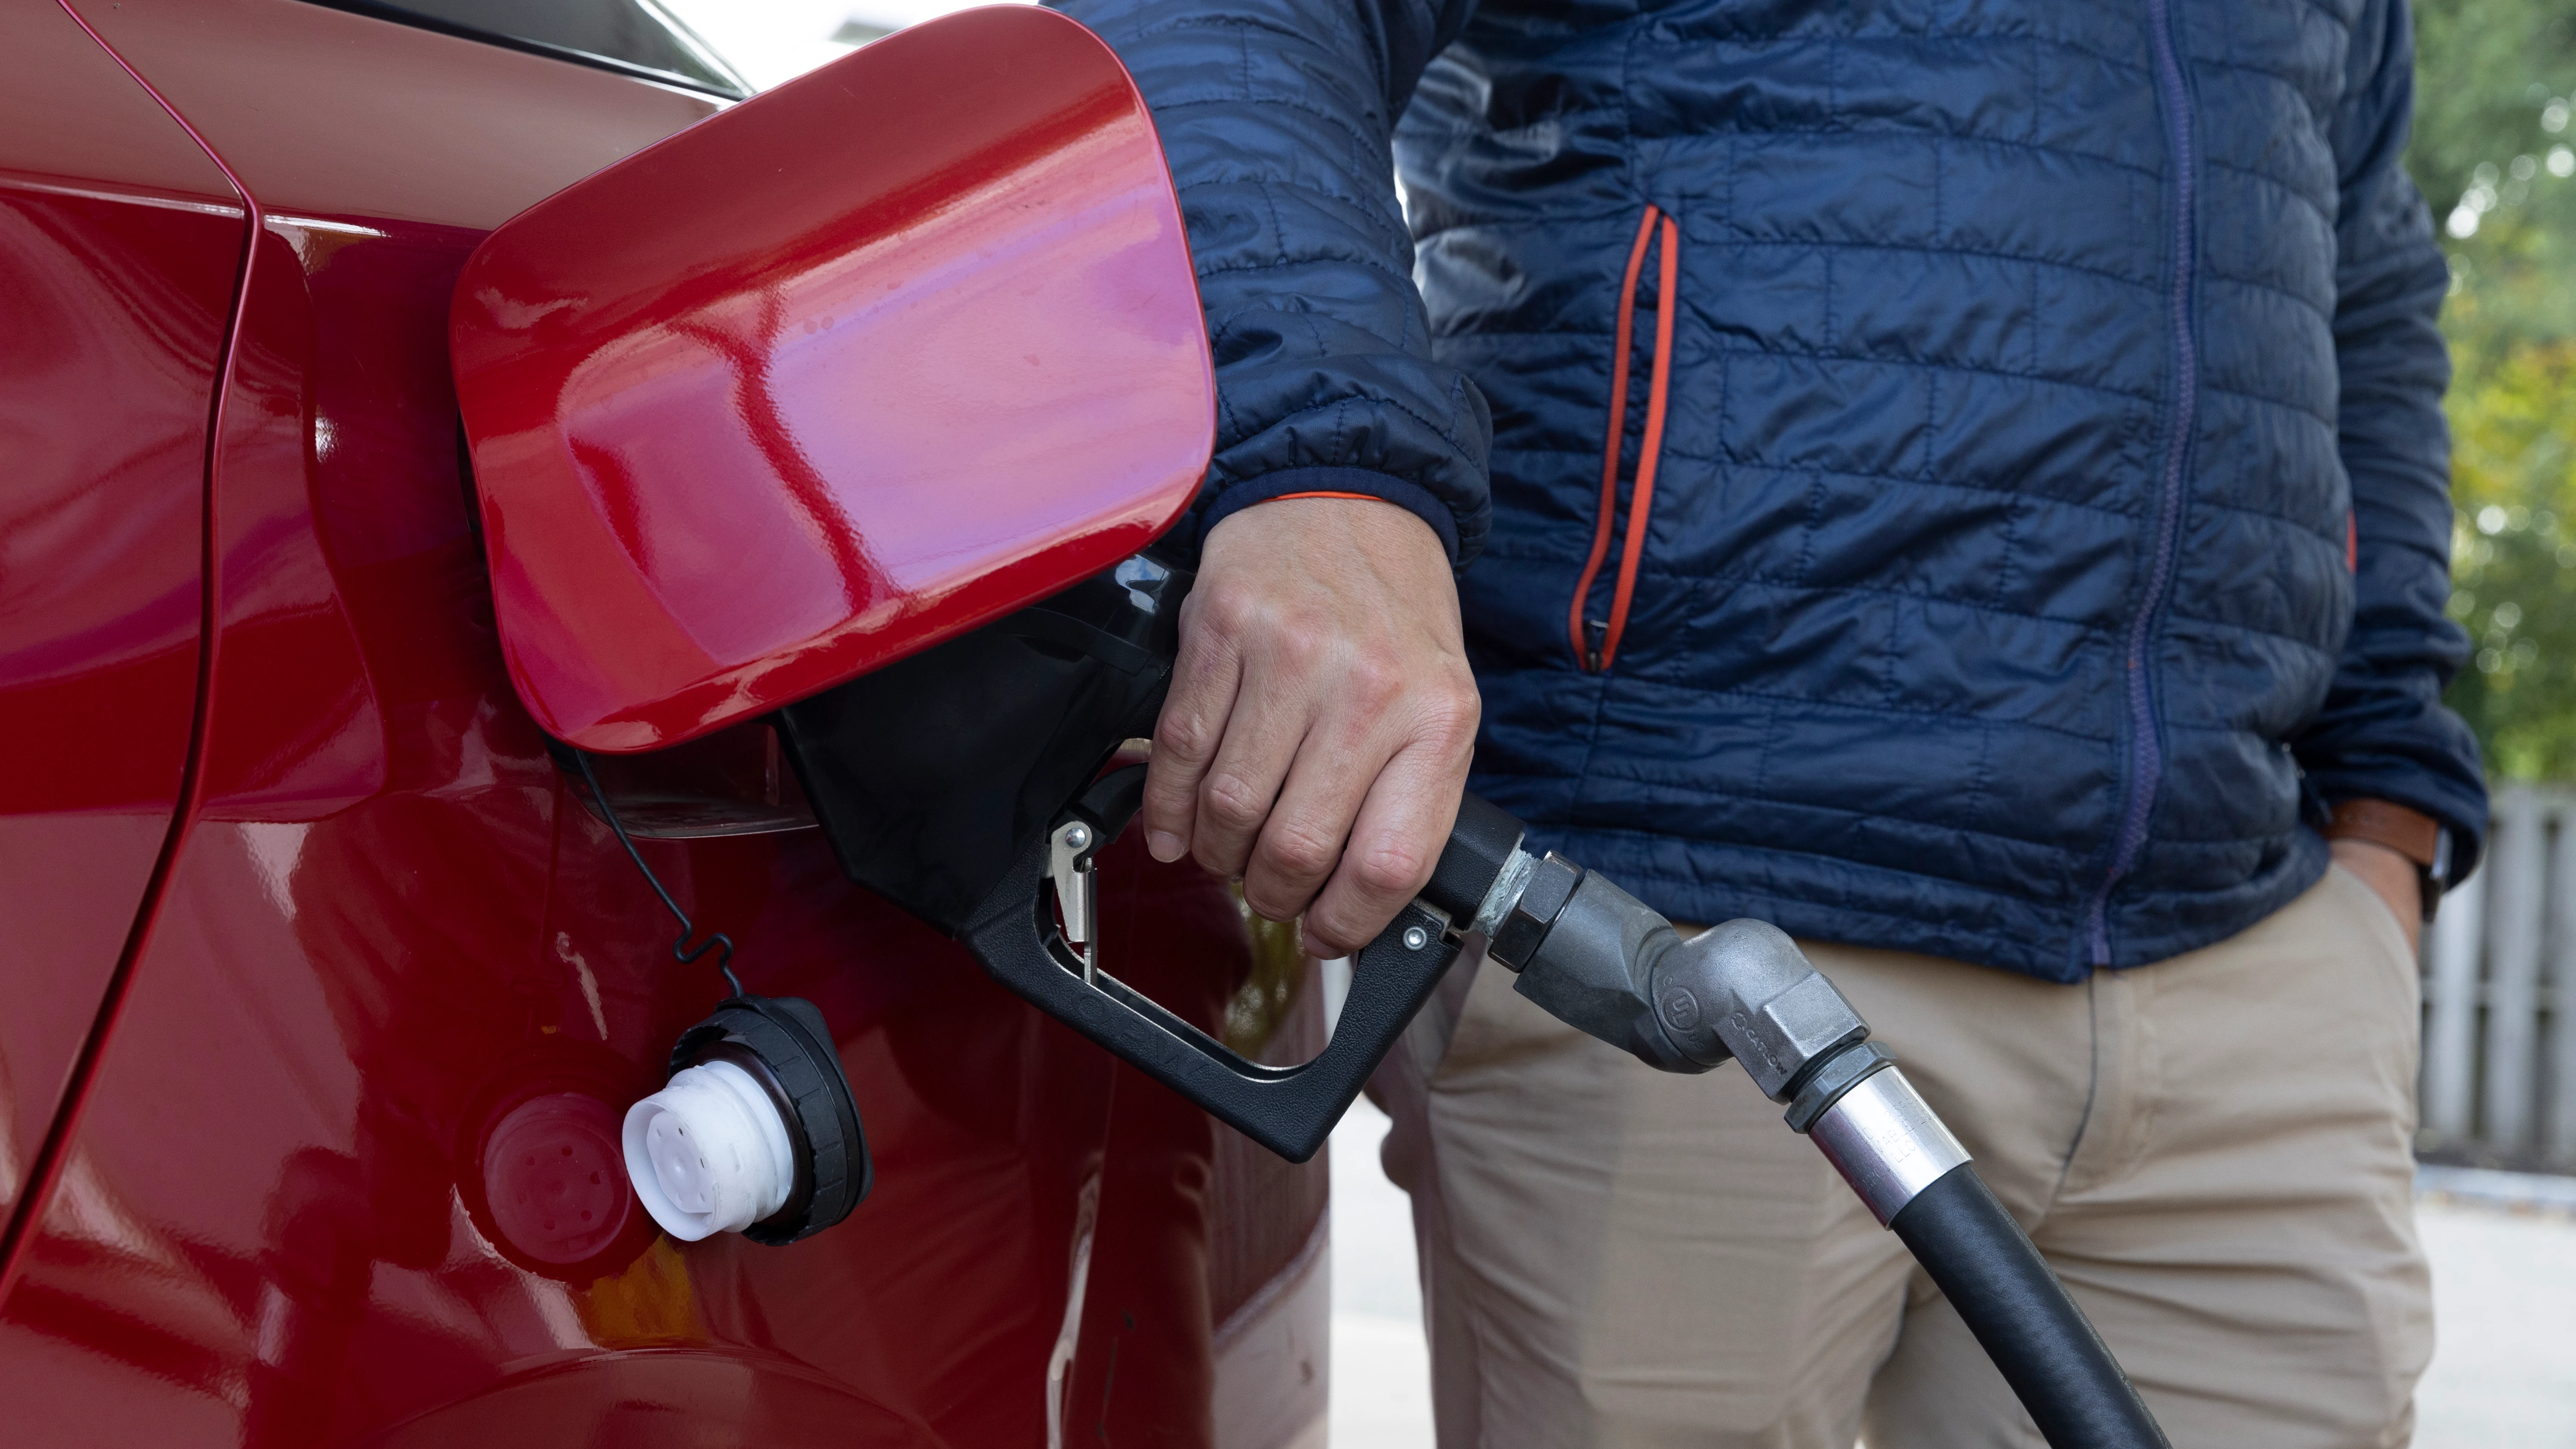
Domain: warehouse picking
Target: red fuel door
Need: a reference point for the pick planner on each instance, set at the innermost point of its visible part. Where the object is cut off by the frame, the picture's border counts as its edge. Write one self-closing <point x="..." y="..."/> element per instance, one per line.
<point x="830" y="377"/>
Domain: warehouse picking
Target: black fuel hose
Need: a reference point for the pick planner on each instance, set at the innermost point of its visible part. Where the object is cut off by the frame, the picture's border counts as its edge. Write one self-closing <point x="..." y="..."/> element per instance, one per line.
<point x="2050" y="1355"/>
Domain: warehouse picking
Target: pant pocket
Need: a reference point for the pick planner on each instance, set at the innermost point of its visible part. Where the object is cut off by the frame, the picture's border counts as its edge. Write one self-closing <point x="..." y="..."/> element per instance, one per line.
<point x="2379" y="921"/>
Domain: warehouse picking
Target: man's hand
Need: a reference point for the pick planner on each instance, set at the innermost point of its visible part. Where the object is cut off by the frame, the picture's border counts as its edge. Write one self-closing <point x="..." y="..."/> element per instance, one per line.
<point x="2392" y="875"/>
<point x="1321" y="717"/>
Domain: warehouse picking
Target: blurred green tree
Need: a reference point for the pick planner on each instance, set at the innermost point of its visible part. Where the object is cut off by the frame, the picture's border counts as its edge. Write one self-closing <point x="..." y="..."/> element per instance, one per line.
<point x="2495" y="153"/>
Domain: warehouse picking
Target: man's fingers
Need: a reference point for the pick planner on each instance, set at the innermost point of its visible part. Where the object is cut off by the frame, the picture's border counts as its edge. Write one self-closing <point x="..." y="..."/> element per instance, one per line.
<point x="1273" y="707"/>
<point x="1396" y="842"/>
<point x="1302" y="841"/>
<point x="1189" y="731"/>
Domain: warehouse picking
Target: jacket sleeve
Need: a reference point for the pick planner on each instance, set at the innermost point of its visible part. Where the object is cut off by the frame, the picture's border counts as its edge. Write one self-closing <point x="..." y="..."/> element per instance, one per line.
<point x="1276" y="117"/>
<point x="2383" y="732"/>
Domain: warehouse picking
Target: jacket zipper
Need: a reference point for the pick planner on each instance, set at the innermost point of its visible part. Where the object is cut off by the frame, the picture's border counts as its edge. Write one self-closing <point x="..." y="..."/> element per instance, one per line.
<point x="1596" y="641"/>
<point x="2146" y="756"/>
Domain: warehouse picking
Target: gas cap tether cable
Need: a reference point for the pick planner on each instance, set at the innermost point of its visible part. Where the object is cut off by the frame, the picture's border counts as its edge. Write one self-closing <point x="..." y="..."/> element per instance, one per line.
<point x="681" y="950"/>
<point x="755" y="1130"/>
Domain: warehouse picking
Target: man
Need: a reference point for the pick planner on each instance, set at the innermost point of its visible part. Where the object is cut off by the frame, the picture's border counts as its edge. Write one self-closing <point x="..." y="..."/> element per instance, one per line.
<point x="1964" y="483"/>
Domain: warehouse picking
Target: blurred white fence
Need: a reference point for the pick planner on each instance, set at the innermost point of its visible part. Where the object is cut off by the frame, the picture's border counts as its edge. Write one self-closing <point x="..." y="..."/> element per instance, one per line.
<point x="2499" y="987"/>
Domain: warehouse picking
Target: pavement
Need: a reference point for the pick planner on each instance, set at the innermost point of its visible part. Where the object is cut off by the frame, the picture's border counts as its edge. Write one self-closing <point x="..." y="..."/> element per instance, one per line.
<point x="1381" y="1371"/>
<point x="2503" y="1247"/>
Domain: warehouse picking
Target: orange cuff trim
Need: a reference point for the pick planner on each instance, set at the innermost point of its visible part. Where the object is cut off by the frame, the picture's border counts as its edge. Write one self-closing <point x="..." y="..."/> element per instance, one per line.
<point x="1328" y="493"/>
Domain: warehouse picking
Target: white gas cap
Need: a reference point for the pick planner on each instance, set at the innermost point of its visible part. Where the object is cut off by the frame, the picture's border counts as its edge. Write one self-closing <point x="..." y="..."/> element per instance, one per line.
<point x="709" y="1153"/>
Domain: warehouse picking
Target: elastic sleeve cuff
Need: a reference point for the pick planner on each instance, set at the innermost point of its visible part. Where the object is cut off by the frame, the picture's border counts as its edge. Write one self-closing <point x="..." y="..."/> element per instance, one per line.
<point x="1386" y="487"/>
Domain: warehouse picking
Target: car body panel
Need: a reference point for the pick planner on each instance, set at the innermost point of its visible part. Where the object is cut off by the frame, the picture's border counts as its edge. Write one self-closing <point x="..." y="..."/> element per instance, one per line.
<point x="119" y="245"/>
<point x="336" y="114"/>
<point x="287" y="1210"/>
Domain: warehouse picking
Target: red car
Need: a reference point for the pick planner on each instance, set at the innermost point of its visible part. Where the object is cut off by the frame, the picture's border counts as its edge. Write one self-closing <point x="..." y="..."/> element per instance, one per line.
<point x="327" y="987"/>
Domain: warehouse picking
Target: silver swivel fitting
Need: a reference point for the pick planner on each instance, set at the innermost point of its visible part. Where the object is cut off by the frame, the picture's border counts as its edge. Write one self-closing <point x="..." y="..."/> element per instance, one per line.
<point x="1600" y="960"/>
<point x="1597" y="957"/>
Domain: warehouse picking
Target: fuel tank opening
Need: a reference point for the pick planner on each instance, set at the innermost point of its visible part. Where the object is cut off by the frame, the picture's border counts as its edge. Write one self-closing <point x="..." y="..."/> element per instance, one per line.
<point x="550" y="1175"/>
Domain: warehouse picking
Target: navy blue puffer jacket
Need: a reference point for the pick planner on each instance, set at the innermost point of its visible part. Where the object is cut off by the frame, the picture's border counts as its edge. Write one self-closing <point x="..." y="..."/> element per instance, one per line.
<point x="1966" y="478"/>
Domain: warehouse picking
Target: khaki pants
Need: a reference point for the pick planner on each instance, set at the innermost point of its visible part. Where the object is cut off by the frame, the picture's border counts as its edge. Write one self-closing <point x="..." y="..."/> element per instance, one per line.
<point x="2213" y="1152"/>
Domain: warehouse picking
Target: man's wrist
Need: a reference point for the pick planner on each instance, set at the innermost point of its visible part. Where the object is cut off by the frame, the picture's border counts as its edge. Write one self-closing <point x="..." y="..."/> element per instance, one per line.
<point x="2418" y="837"/>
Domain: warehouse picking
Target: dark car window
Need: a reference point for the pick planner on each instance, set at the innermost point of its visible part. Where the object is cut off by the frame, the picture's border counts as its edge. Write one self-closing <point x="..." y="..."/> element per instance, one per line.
<point x="631" y="37"/>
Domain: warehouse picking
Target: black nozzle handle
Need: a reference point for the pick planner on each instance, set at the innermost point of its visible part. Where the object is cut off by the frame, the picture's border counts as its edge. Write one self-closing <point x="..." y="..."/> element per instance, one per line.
<point x="2056" y="1364"/>
<point x="1290" y="1110"/>
<point x="1480" y="845"/>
